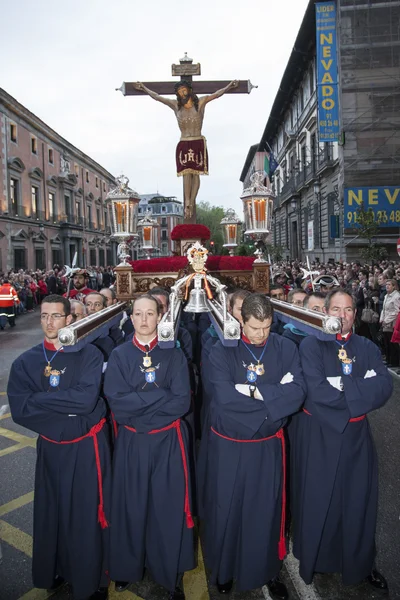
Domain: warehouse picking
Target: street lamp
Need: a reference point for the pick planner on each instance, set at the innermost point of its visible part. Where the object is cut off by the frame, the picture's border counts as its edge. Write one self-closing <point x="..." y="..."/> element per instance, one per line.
<point x="148" y="232"/>
<point x="123" y="203"/>
<point x="230" y="227"/>
<point x="258" y="204"/>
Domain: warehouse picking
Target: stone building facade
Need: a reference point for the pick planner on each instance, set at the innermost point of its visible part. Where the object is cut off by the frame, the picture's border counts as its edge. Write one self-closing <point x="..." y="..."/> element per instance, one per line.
<point x="312" y="177"/>
<point x="52" y="196"/>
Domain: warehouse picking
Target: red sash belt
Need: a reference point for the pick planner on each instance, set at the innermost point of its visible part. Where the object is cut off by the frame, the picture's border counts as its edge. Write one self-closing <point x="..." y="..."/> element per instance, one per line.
<point x="93" y="434"/>
<point x="177" y="426"/>
<point x="354" y="420"/>
<point x="280" y="435"/>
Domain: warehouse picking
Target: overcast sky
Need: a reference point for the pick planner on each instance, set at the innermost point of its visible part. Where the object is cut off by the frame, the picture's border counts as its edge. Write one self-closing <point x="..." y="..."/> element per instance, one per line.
<point x="63" y="61"/>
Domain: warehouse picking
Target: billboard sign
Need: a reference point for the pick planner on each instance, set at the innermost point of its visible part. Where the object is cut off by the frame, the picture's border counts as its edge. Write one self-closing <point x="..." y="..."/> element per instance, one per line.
<point x="327" y="73"/>
<point x="384" y="201"/>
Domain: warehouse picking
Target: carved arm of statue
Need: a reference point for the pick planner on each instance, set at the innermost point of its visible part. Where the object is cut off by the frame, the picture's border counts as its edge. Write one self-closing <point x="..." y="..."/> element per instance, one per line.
<point x="142" y="88"/>
<point x="221" y="92"/>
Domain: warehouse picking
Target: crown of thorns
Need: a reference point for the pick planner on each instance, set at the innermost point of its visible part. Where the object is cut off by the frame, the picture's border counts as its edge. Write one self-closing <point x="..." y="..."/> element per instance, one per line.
<point x="183" y="83"/>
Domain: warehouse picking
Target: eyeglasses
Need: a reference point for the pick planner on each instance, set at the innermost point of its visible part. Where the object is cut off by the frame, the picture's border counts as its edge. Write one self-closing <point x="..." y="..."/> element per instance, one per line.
<point x="55" y="317"/>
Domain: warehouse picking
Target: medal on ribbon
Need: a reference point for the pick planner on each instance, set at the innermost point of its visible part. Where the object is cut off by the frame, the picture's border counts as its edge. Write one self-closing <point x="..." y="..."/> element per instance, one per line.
<point x="147" y="361"/>
<point x="254" y="370"/>
<point x="346" y="362"/>
<point x="48" y="368"/>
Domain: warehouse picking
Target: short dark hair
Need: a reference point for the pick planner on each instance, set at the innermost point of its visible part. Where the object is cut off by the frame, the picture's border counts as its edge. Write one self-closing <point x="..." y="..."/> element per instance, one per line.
<point x="104" y="299"/>
<point x="294" y="292"/>
<point x="320" y="295"/>
<point x="159" y="291"/>
<point x="239" y="294"/>
<point x="276" y="286"/>
<point x="148" y="297"/>
<point x="332" y="293"/>
<point x="257" y="306"/>
<point x="57" y="299"/>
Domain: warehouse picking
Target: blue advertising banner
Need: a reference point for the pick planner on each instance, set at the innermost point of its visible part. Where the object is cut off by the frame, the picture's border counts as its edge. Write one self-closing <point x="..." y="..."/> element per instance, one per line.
<point x="383" y="201"/>
<point x="327" y="77"/>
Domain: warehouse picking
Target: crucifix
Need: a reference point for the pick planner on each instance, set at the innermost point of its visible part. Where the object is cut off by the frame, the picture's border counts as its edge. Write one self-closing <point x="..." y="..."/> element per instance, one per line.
<point x="191" y="151"/>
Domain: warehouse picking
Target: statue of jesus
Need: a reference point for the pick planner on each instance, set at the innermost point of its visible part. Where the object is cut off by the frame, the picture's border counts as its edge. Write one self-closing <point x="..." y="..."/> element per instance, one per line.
<point x="191" y="151"/>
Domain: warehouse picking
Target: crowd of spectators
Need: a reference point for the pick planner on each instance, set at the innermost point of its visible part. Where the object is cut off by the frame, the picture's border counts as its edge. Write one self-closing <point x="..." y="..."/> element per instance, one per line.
<point x="375" y="290"/>
<point x="33" y="286"/>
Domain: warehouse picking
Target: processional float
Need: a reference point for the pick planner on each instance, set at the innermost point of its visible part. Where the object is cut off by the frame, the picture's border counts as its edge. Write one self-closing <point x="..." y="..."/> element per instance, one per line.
<point x="198" y="292"/>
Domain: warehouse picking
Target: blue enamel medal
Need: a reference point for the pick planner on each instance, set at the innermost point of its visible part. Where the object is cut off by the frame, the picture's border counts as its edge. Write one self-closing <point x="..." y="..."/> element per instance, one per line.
<point x="150" y="375"/>
<point x="251" y="375"/>
<point x="54" y="378"/>
<point x="347" y="367"/>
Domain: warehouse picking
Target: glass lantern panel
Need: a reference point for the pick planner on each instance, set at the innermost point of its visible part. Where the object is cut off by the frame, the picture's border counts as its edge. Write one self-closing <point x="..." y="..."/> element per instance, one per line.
<point x="147" y="235"/>
<point x="120" y="217"/>
<point x="248" y="217"/>
<point x="133" y="206"/>
<point x="260" y="209"/>
<point x="231" y="234"/>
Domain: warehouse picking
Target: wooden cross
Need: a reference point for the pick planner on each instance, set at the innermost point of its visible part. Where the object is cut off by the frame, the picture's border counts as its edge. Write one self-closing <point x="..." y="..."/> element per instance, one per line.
<point x="186" y="70"/>
<point x="191" y="152"/>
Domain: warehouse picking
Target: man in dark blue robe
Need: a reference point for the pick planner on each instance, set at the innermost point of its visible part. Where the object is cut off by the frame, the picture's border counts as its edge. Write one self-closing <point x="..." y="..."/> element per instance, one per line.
<point x="333" y="461"/>
<point x="56" y="394"/>
<point x="256" y="386"/>
<point x="149" y="392"/>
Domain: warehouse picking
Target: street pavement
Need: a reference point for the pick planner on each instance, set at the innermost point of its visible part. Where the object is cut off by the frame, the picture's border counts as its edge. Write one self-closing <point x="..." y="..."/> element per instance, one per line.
<point x="17" y="465"/>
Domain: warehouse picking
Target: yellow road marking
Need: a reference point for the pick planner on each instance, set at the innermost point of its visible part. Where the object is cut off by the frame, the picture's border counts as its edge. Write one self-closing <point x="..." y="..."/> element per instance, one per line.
<point x="16" y="538"/>
<point x="17" y="503"/>
<point x="13" y="448"/>
<point x="195" y="582"/>
<point x="18" y="437"/>
<point x="3" y="393"/>
<point x="5" y="416"/>
<point x="36" y="594"/>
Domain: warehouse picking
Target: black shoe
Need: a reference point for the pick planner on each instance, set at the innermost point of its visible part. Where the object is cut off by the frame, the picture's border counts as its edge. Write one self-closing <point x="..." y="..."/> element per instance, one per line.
<point x="57" y="583"/>
<point x="378" y="581"/>
<point x="225" y="588"/>
<point x="100" y="594"/>
<point x="121" y="586"/>
<point x="277" y="589"/>
<point x="177" y="594"/>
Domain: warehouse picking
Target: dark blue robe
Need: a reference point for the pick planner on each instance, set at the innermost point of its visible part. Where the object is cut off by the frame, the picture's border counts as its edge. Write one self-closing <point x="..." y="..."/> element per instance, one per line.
<point x="243" y="506"/>
<point x="67" y="538"/>
<point x="334" y="463"/>
<point x="208" y="341"/>
<point x="149" y="527"/>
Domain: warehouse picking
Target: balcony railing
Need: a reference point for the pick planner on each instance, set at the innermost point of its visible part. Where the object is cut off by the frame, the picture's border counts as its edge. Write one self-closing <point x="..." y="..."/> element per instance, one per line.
<point x="325" y="156"/>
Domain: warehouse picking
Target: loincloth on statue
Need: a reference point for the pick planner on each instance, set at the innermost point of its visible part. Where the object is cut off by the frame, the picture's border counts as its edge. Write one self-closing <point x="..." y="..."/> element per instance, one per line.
<point x="192" y="157"/>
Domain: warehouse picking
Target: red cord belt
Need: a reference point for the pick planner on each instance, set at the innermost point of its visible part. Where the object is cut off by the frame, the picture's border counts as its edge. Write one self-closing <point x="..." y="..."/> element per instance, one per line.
<point x="93" y="434"/>
<point x="177" y="426"/>
<point x="354" y="420"/>
<point x="280" y="435"/>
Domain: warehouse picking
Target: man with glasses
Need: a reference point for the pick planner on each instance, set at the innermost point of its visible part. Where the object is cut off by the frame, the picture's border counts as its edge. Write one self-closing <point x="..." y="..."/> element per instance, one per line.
<point x="55" y="393"/>
<point x="78" y="310"/>
<point x="256" y="385"/>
